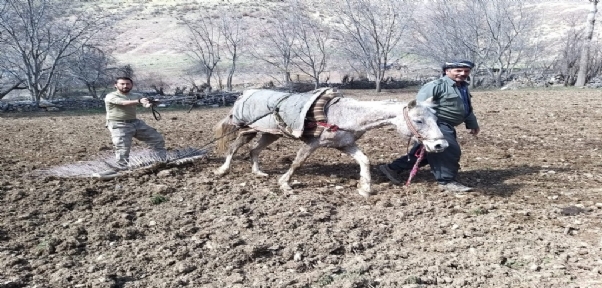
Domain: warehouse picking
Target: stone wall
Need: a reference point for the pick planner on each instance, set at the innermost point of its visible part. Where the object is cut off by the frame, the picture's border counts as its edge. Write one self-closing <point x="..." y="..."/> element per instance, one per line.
<point x="212" y="100"/>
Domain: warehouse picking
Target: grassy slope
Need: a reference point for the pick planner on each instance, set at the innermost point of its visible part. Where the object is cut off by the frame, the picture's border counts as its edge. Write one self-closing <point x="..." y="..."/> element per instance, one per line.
<point x="153" y="44"/>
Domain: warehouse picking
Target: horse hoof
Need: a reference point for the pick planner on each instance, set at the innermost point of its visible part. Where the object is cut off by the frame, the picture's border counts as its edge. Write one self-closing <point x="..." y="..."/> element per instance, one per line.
<point x="365" y="194"/>
<point x="261" y="174"/>
<point x="219" y="173"/>
<point x="286" y="188"/>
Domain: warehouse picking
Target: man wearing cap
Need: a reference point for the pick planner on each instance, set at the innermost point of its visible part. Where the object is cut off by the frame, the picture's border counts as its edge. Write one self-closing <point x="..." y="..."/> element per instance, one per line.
<point x="453" y="107"/>
<point x="123" y="125"/>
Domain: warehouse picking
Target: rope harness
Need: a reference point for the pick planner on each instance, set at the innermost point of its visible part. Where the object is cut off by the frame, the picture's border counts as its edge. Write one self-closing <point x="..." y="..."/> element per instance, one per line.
<point x="409" y="123"/>
<point x="422" y="150"/>
<point x="154" y="102"/>
<point x="274" y="112"/>
<point x="235" y="130"/>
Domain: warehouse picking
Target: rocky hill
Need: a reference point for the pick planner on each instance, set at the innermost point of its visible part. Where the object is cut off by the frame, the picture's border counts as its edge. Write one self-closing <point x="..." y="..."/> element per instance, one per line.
<point x="154" y="40"/>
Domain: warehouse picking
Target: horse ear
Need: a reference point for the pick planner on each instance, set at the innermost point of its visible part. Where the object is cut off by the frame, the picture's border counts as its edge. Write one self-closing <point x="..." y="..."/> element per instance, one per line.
<point x="412" y="104"/>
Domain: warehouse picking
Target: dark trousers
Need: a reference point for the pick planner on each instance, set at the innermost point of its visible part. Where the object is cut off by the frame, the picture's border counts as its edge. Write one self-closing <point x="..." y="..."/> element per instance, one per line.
<point x="444" y="165"/>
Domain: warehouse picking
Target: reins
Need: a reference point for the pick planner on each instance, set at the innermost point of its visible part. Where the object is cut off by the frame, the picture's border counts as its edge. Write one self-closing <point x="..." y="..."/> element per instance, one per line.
<point x="235" y="130"/>
<point x="416" y="165"/>
<point x="422" y="149"/>
<point x="156" y="113"/>
<point x="154" y="102"/>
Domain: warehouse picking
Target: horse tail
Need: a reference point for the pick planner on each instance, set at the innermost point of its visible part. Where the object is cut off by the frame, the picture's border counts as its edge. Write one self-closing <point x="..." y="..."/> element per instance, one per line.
<point x="225" y="132"/>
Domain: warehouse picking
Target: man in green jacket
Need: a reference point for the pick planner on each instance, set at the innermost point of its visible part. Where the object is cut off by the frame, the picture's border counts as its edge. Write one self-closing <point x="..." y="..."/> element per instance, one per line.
<point x="123" y="124"/>
<point x="453" y="107"/>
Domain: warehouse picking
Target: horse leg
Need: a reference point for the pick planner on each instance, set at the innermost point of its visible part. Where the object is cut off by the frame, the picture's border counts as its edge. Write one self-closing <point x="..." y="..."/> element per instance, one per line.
<point x="302" y="155"/>
<point x="364" y="163"/>
<point x="264" y="141"/>
<point x="242" y="139"/>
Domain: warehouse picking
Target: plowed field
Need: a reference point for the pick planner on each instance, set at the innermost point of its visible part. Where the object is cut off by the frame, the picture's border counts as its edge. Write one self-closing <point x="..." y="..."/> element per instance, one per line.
<point x="533" y="221"/>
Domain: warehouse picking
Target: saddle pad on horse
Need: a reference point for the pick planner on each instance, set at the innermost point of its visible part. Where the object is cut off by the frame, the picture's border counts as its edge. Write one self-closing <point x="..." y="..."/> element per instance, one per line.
<point x="290" y="118"/>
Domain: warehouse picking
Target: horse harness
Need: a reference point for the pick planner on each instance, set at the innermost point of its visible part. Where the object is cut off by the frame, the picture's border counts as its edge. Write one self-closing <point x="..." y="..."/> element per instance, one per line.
<point x="420" y="154"/>
<point x="409" y="123"/>
<point x="320" y="106"/>
<point x="316" y="117"/>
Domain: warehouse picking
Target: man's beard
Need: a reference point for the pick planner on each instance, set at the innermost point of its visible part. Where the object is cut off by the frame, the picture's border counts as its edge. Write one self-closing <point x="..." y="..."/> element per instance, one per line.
<point x="124" y="90"/>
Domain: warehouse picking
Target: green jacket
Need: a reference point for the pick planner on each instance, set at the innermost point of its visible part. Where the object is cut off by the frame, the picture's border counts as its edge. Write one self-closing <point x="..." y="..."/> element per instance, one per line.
<point x="115" y="108"/>
<point x="448" y="102"/>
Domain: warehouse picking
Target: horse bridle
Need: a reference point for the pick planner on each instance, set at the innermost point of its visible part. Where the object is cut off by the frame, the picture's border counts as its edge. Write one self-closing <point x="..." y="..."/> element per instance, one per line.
<point x="410" y="125"/>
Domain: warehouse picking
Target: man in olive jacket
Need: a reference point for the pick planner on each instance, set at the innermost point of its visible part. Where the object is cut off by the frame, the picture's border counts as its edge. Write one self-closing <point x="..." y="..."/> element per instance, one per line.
<point x="453" y="107"/>
<point x="123" y="124"/>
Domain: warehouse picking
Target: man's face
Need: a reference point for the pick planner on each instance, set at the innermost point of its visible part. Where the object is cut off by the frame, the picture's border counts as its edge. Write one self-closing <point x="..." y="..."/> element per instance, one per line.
<point x="458" y="74"/>
<point x="124" y="86"/>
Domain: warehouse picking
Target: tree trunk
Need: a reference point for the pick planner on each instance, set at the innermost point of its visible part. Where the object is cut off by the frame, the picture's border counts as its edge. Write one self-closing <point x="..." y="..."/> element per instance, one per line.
<point x="287" y="77"/>
<point x="220" y="82"/>
<point x="378" y="79"/>
<point x="208" y="80"/>
<point x="94" y="92"/>
<point x="378" y="83"/>
<point x="584" y="60"/>
<point x="498" y="79"/>
<point x="230" y="76"/>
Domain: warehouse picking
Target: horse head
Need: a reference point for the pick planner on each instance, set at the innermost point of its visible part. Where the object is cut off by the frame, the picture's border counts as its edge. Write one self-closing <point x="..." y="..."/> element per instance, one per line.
<point x="421" y="120"/>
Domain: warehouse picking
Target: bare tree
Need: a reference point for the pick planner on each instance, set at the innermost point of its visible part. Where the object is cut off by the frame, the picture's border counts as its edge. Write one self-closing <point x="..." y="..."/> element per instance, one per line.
<point x="9" y="74"/>
<point x="444" y="32"/>
<point x="371" y="30"/>
<point x="43" y="33"/>
<point x="585" y="52"/>
<point x="125" y="71"/>
<point x="92" y="67"/>
<point x="310" y="49"/>
<point x="507" y="25"/>
<point x="233" y="29"/>
<point x="8" y="83"/>
<point x="276" y="43"/>
<point x="567" y="60"/>
<point x="204" y="44"/>
<point x="58" y="83"/>
<point x="494" y="34"/>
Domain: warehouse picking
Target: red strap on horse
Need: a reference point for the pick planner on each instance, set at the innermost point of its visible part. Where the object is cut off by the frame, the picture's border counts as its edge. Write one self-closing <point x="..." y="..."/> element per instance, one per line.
<point x="330" y="127"/>
<point x="416" y="165"/>
<point x="419" y="151"/>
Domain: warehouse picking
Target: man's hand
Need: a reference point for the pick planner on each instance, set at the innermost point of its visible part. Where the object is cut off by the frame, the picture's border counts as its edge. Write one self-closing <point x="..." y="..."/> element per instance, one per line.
<point x="146" y="103"/>
<point x="475" y="132"/>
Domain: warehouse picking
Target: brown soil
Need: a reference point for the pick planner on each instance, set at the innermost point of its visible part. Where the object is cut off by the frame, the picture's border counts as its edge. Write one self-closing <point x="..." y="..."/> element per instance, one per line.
<point x="534" y="220"/>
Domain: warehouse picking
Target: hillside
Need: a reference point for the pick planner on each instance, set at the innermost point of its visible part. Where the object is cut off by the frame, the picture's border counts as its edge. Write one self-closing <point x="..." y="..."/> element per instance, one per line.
<point x="153" y="42"/>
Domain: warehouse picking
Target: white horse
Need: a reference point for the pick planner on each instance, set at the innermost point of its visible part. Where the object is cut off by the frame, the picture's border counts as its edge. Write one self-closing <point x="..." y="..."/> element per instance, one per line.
<point x="353" y="118"/>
